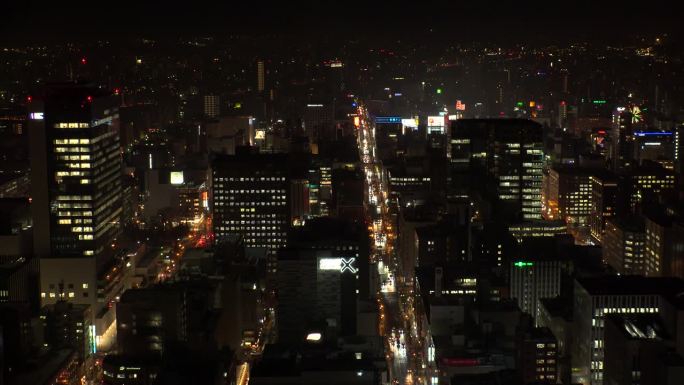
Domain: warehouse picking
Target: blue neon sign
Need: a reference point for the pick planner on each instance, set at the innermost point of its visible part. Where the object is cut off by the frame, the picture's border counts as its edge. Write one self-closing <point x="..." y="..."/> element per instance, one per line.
<point x="651" y="133"/>
<point x="387" y="119"/>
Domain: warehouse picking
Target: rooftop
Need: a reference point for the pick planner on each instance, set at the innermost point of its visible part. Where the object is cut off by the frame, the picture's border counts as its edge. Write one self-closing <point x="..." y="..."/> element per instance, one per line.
<point x="640" y="326"/>
<point x="632" y="285"/>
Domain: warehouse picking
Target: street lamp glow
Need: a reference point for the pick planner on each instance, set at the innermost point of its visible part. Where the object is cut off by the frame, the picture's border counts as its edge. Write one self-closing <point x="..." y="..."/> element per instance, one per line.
<point x="314" y="337"/>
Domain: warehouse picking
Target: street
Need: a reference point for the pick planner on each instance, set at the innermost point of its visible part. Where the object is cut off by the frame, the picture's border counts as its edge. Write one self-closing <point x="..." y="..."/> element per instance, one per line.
<point x="398" y="315"/>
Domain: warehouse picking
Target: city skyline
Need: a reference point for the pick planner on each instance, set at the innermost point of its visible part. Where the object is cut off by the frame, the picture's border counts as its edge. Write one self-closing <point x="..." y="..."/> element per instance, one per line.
<point x="430" y="193"/>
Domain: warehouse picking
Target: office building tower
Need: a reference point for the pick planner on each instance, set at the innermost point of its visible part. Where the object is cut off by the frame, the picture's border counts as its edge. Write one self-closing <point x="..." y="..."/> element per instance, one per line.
<point x="14" y="146"/>
<point x="556" y="315"/>
<point x="388" y="132"/>
<point x="664" y="246"/>
<point x="192" y="202"/>
<point x="261" y="76"/>
<point x="508" y="150"/>
<point x="318" y="122"/>
<point x="300" y="208"/>
<point x="320" y="187"/>
<point x="594" y="299"/>
<point x="568" y="196"/>
<point x="250" y="197"/>
<point x="623" y="245"/>
<point x="536" y="275"/>
<point x="655" y="146"/>
<point x="679" y="148"/>
<point x="17" y="279"/>
<point x="604" y="188"/>
<point x="646" y="183"/>
<point x="212" y="106"/>
<point x="625" y="122"/>
<point x="537" y="356"/>
<point x="562" y="114"/>
<point x="321" y="275"/>
<point x="316" y="293"/>
<point x="151" y="320"/>
<point x="76" y="175"/>
<point x="67" y="326"/>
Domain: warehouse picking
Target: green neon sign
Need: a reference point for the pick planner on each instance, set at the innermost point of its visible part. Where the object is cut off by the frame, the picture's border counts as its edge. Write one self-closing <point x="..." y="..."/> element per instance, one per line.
<point x="521" y="264"/>
<point x="599" y="102"/>
<point x="519" y="104"/>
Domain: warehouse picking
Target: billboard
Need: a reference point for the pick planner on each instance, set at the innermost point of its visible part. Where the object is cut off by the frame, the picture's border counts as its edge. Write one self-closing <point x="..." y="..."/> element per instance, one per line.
<point x="338" y="264"/>
<point x="435" y="121"/>
<point x="460" y="106"/>
<point x="177" y="177"/>
<point x="410" y="123"/>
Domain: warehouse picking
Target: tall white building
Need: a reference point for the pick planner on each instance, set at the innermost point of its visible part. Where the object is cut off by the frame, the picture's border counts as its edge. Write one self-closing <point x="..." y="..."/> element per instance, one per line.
<point x="534" y="279"/>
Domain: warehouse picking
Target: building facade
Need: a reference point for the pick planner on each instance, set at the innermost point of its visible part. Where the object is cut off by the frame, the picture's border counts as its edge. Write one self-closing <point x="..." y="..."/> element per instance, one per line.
<point x="77" y="196"/>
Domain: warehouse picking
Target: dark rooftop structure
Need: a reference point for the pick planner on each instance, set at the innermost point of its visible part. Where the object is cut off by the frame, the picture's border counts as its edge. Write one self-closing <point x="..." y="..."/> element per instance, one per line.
<point x="632" y="285"/>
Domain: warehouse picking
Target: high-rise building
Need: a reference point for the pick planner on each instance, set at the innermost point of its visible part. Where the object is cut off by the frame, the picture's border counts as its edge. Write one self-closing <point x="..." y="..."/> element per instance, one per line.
<point x="604" y="188"/>
<point x="318" y="279"/>
<point x="76" y="173"/>
<point x="261" y="76"/>
<point x="212" y="106"/>
<point x="192" y="201"/>
<point x="68" y="326"/>
<point x="14" y="145"/>
<point x="569" y="195"/>
<point x="509" y="150"/>
<point x="623" y="245"/>
<point x="320" y="187"/>
<point x="316" y="288"/>
<point x="656" y="146"/>
<point x="646" y="183"/>
<point x="536" y="275"/>
<point x="318" y="122"/>
<point x="595" y="298"/>
<point x="537" y="356"/>
<point x="250" y="197"/>
<point x="663" y="246"/>
<point x="150" y="320"/>
<point x="679" y="148"/>
<point x="625" y="122"/>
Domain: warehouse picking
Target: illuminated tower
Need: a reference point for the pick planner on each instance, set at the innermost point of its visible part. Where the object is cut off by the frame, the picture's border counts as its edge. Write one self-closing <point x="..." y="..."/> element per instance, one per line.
<point x="261" y="76"/>
<point x="77" y="195"/>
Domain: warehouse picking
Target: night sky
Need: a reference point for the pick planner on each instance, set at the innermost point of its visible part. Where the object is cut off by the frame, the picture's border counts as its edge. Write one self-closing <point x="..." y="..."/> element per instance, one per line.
<point x="31" y="19"/>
